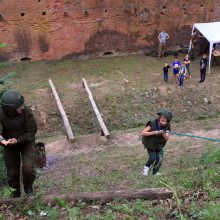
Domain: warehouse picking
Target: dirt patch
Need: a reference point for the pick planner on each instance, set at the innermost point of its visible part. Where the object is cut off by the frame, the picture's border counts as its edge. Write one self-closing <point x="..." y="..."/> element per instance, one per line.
<point x="42" y="92"/>
<point x="76" y="86"/>
<point x="87" y="144"/>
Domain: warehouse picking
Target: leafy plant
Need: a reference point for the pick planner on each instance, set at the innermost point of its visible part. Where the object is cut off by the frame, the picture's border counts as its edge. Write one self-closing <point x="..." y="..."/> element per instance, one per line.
<point x="211" y="212"/>
<point x="2" y="169"/>
<point x="6" y="192"/>
<point x="74" y="213"/>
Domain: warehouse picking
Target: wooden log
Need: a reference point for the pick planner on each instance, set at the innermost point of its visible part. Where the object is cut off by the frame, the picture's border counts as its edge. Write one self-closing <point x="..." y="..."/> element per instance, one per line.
<point x="147" y="194"/>
<point x="98" y="115"/>
<point x="62" y="112"/>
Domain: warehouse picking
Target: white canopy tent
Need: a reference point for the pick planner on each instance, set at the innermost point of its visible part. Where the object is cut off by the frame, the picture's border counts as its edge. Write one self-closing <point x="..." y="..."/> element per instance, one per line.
<point x="211" y="31"/>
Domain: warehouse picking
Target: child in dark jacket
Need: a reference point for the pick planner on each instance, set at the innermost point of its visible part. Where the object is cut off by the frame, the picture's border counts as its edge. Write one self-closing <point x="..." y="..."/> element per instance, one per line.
<point x="203" y="65"/>
<point x="154" y="137"/>
<point x="165" y="72"/>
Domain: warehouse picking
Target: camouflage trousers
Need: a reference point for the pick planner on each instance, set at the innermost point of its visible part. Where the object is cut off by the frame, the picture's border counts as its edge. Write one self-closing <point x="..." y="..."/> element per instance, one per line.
<point x="155" y="158"/>
<point x="20" y="157"/>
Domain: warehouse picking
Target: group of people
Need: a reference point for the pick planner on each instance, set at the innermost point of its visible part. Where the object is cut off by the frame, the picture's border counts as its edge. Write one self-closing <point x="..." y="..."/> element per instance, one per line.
<point x="180" y="70"/>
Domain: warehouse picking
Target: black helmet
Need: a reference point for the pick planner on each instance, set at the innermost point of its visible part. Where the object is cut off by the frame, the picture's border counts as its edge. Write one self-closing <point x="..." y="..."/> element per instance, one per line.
<point x="166" y="113"/>
<point x="12" y="99"/>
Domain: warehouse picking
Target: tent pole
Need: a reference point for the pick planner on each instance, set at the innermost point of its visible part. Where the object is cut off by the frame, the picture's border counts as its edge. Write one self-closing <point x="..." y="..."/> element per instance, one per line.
<point x="210" y="56"/>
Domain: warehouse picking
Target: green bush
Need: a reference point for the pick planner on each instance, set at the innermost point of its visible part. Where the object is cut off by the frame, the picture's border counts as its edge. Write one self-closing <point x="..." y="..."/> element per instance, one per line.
<point x="2" y="170"/>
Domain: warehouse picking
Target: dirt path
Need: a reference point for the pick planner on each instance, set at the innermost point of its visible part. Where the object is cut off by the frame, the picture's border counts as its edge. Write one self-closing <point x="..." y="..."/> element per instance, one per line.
<point x="86" y="144"/>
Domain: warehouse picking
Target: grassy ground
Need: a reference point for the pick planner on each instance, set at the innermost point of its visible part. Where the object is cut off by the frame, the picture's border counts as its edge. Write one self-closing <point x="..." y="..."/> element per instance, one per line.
<point x="190" y="167"/>
<point x="122" y="107"/>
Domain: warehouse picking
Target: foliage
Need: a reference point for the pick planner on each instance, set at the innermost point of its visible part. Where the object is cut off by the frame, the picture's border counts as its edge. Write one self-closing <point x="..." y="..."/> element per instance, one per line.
<point x="2" y="169"/>
<point x="7" y="78"/>
<point x="3" y="45"/>
<point x="210" y="212"/>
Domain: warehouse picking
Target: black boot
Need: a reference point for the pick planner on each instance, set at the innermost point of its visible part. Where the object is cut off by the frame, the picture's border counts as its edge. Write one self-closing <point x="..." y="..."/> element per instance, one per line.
<point x="28" y="190"/>
<point x="16" y="193"/>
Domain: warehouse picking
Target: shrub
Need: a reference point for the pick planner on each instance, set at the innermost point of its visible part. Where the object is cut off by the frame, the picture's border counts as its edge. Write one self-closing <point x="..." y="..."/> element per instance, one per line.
<point x="2" y="170"/>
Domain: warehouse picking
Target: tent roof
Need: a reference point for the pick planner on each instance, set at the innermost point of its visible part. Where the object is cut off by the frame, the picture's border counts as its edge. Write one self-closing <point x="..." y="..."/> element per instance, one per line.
<point x="211" y="31"/>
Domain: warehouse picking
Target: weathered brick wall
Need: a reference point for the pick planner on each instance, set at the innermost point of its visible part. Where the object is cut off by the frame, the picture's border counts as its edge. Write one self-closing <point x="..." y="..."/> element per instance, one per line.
<point x="56" y="29"/>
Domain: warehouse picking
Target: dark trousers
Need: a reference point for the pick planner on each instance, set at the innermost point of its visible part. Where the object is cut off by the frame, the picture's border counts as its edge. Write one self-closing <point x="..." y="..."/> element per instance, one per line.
<point x="165" y="77"/>
<point x="14" y="156"/>
<point x="181" y="80"/>
<point x="188" y="69"/>
<point x="202" y="74"/>
<point x="155" y="158"/>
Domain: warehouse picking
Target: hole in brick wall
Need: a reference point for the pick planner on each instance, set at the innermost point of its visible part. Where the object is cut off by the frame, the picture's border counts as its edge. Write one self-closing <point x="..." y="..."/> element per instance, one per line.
<point x="211" y="10"/>
<point x="164" y="7"/>
<point x="184" y="7"/>
<point x="39" y="1"/>
<point x="1" y="18"/>
<point x="65" y="14"/>
<point x="161" y="13"/>
<point x="201" y="6"/>
<point x="108" y="53"/>
<point x="135" y="11"/>
<point x="44" y="13"/>
<point x="22" y="14"/>
<point x="86" y="13"/>
<point x="106" y="10"/>
<point x="25" y="59"/>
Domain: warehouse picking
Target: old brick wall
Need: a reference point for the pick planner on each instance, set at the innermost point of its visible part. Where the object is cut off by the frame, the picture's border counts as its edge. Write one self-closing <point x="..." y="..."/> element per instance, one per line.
<point x="56" y="29"/>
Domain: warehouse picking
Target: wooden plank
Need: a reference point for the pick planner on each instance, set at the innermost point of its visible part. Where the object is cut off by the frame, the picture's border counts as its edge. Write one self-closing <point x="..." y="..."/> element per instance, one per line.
<point x="98" y="115"/>
<point x="62" y="112"/>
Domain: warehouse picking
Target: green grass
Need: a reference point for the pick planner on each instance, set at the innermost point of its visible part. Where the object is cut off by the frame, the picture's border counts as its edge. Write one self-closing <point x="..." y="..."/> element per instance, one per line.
<point x="121" y="106"/>
<point x="193" y="173"/>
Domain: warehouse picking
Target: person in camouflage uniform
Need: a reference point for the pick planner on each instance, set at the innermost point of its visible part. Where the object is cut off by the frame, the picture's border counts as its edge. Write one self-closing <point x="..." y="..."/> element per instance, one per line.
<point x="154" y="137"/>
<point x="18" y="130"/>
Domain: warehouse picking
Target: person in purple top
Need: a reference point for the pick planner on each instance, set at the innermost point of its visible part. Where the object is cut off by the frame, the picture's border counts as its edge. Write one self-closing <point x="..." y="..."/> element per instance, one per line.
<point x="176" y="68"/>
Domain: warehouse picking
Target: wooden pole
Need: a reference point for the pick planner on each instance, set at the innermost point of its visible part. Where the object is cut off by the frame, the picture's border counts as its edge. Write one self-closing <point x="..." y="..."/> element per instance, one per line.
<point x="98" y="115"/>
<point x="62" y="112"/>
<point x="148" y="194"/>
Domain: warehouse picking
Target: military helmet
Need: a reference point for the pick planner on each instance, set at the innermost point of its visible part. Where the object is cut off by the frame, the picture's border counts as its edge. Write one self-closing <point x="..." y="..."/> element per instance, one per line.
<point x="166" y="113"/>
<point x="12" y="99"/>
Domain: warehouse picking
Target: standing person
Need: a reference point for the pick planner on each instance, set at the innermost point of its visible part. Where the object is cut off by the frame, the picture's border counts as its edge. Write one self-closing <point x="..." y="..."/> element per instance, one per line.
<point x="187" y="65"/>
<point x="176" y="68"/>
<point x="154" y="137"/>
<point x="165" y="72"/>
<point x="182" y="75"/>
<point x="194" y="41"/>
<point x="203" y="65"/>
<point x="162" y="37"/>
<point x="18" y="128"/>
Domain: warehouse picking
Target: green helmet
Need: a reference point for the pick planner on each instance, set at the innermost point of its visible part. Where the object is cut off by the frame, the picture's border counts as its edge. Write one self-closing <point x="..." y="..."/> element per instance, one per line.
<point x="166" y="113"/>
<point x="12" y="99"/>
